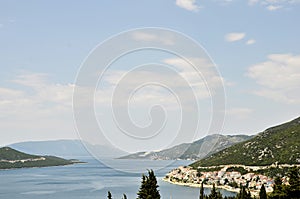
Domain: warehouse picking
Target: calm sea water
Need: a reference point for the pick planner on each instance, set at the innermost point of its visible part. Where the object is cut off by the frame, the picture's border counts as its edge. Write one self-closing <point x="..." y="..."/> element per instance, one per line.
<point x="88" y="181"/>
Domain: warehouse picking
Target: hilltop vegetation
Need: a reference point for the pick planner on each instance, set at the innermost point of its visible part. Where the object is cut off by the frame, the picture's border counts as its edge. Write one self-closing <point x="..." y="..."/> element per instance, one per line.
<point x="279" y="144"/>
<point x="10" y="158"/>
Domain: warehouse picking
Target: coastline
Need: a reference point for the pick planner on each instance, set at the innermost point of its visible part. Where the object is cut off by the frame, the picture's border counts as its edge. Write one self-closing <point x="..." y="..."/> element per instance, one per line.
<point x="224" y="187"/>
<point x="34" y="167"/>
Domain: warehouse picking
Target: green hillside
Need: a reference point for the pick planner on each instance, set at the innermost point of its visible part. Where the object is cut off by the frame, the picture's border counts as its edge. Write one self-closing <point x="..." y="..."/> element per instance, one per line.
<point x="7" y="153"/>
<point x="10" y="158"/>
<point x="279" y="144"/>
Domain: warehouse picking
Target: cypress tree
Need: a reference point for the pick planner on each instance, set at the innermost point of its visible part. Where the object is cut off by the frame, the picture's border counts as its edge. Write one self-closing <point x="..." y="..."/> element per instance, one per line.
<point x="243" y="194"/>
<point x="201" y="191"/>
<point x="262" y="192"/>
<point x="109" y="196"/>
<point x="214" y="194"/>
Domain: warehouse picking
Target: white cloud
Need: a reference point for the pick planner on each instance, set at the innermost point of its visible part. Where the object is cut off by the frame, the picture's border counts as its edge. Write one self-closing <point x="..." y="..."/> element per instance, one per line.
<point x="33" y="80"/>
<point x="207" y="77"/>
<point x="252" y="2"/>
<point x="148" y="37"/>
<point x="234" y="36"/>
<point x="41" y="110"/>
<point x="183" y="78"/>
<point x="279" y="78"/>
<point x="188" y="5"/>
<point x="250" y="41"/>
<point x="43" y="89"/>
<point x="273" y="7"/>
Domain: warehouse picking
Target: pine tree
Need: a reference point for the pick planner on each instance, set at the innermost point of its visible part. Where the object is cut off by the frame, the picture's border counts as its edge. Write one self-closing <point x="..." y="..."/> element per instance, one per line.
<point x="109" y="196"/>
<point x="124" y="196"/>
<point x="142" y="192"/>
<point x="153" y="186"/>
<point x="262" y="192"/>
<point x="149" y="187"/>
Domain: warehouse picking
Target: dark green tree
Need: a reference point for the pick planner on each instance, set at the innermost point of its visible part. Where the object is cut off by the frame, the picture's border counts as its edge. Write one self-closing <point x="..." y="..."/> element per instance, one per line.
<point x="293" y="189"/>
<point x="124" y="196"/>
<point x="109" y="196"/>
<point x="201" y="191"/>
<point x="149" y="187"/>
<point x="262" y="192"/>
<point x="143" y="188"/>
<point x="279" y="191"/>
<point x="214" y="194"/>
<point x="243" y="194"/>
<point x="277" y="184"/>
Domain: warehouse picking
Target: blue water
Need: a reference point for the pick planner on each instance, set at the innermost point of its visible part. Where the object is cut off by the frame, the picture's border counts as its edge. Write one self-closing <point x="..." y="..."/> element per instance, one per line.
<point x="88" y="181"/>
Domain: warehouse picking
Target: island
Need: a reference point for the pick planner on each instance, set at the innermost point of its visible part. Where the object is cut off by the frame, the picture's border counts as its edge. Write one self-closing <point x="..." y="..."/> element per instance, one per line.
<point x="13" y="159"/>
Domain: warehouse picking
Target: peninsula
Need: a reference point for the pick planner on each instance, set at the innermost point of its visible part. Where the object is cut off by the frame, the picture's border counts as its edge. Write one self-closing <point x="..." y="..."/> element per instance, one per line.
<point x="13" y="159"/>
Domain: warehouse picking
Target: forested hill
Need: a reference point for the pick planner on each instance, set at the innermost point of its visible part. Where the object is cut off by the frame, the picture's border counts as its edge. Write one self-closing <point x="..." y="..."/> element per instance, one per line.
<point x="11" y="158"/>
<point x="279" y="144"/>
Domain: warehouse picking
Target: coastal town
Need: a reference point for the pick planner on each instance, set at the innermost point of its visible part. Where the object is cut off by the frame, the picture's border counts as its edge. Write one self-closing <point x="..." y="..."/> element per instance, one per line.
<point x="226" y="177"/>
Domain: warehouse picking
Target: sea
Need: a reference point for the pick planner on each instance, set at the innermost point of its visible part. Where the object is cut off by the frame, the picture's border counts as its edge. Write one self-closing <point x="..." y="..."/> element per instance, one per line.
<point x="92" y="180"/>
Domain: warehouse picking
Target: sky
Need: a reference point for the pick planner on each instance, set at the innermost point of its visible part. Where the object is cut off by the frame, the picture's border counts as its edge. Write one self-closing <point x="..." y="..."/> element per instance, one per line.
<point x="253" y="44"/>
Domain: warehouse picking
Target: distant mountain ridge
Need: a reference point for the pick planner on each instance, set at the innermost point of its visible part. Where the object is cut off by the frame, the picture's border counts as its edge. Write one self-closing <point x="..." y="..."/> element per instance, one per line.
<point x="196" y="150"/>
<point x="279" y="144"/>
<point x="65" y="148"/>
<point x="11" y="158"/>
<point x="60" y="148"/>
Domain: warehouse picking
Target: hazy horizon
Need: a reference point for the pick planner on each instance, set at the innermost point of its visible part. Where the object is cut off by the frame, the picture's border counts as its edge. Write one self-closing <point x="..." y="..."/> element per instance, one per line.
<point x="250" y="53"/>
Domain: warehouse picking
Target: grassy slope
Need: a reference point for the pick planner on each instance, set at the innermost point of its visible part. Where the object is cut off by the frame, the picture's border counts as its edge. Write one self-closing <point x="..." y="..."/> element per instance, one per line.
<point x="277" y="144"/>
<point x="7" y="153"/>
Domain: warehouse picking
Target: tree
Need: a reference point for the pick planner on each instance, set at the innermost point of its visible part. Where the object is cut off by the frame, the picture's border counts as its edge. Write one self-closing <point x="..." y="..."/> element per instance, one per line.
<point x="243" y="194"/>
<point x="214" y="194"/>
<point x="277" y="184"/>
<point x="109" y="196"/>
<point x="262" y="192"/>
<point x="143" y="192"/>
<point x="149" y="187"/>
<point x="124" y="196"/>
<point x="278" y="190"/>
<point x="294" y="181"/>
<point x="201" y="191"/>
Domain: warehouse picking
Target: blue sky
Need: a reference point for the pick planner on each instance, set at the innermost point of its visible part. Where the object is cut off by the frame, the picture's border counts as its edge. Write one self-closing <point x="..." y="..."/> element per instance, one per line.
<point x="254" y="43"/>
